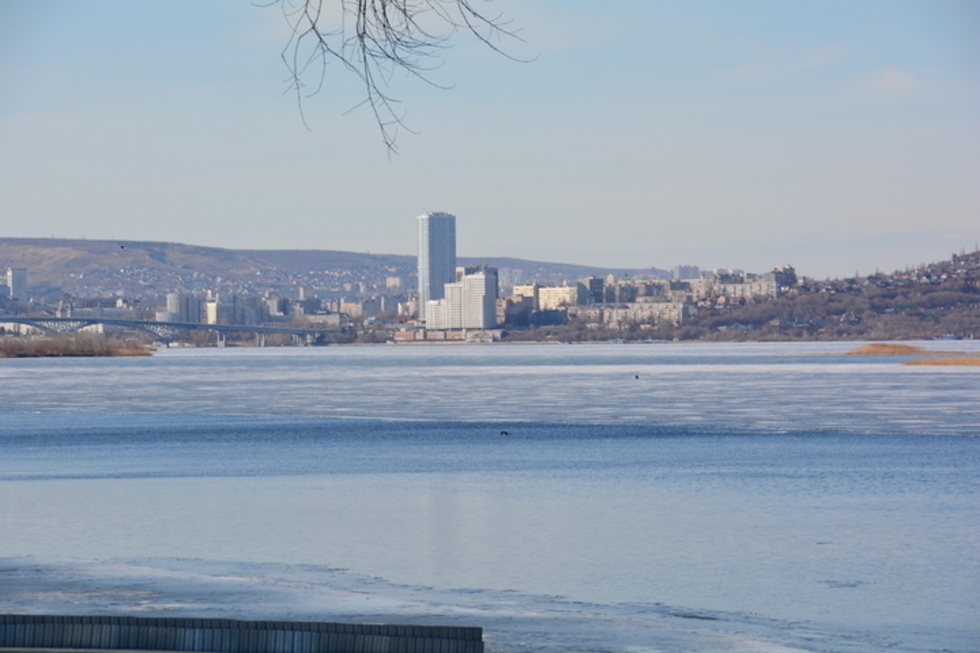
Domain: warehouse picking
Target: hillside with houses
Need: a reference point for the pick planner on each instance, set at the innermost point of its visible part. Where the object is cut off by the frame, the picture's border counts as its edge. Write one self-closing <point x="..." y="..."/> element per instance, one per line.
<point x="931" y="301"/>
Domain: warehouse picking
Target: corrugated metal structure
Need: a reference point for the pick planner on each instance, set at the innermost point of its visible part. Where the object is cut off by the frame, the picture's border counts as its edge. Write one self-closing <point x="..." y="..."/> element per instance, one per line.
<point x="231" y="636"/>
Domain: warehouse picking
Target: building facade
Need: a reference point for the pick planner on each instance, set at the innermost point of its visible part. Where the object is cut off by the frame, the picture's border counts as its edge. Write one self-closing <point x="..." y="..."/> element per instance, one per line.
<point x="686" y="272"/>
<point x="551" y="298"/>
<point x="182" y="307"/>
<point x="530" y="292"/>
<point x="437" y="257"/>
<point x="470" y="301"/>
<point x="17" y="284"/>
<point x="246" y="310"/>
<point x="594" y="289"/>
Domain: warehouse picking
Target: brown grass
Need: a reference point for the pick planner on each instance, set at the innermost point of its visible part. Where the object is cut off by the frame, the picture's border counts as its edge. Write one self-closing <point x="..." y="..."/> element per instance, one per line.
<point x="959" y="360"/>
<point x="882" y="348"/>
<point x="67" y="345"/>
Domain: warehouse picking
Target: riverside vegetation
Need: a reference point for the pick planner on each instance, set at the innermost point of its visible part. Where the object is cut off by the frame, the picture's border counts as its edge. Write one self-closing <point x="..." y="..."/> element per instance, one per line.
<point x="923" y="356"/>
<point x="78" y="344"/>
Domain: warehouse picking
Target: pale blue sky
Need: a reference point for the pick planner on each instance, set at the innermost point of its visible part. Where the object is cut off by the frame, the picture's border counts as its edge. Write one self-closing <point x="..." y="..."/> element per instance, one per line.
<point x="835" y="136"/>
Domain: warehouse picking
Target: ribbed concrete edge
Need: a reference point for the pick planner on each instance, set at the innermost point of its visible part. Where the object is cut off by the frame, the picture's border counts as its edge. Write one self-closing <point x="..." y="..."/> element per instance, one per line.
<point x="231" y="635"/>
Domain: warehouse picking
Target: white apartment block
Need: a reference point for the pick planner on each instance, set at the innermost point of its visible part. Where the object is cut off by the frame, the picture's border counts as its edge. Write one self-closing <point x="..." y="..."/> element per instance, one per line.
<point x="235" y="309"/>
<point x="648" y="313"/>
<point x="530" y="291"/>
<point x="17" y="284"/>
<point x="469" y="303"/>
<point x="182" y="307"/>
<point x="554" y="297"/>
<point x="710" y="288"/>
<point x="686" y="272"/>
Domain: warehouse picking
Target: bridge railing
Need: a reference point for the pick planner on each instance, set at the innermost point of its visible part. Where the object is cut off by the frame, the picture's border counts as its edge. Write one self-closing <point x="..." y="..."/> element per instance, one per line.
<point x="162" y="330"/>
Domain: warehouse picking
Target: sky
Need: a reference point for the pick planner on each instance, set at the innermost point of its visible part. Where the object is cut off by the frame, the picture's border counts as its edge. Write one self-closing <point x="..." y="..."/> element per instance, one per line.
<point x="835" y="136"/>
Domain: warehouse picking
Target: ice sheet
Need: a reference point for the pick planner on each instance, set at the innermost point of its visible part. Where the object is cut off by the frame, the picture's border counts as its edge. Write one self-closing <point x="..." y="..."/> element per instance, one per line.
<point x="511" y="621"/>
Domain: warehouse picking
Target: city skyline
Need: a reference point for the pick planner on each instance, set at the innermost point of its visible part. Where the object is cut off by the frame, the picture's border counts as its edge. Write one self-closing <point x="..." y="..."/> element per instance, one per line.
<point x="837" y="137"/>
<point x="355" y="303"/>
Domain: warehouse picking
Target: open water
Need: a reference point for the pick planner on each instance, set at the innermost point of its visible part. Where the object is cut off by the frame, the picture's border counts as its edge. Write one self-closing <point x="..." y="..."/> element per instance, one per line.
<point x="661" y="497"/>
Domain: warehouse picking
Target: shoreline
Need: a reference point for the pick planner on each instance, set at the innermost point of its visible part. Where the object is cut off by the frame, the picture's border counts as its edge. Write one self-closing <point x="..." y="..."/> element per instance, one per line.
<point x="78" y="345"/>
<point x="511" y="621"/>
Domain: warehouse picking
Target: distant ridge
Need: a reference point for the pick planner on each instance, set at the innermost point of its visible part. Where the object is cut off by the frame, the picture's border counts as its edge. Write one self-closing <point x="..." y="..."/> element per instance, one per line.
<point x="568" y="270"/>
<point x="302" y="260"/>
<point x="51" y="260"/>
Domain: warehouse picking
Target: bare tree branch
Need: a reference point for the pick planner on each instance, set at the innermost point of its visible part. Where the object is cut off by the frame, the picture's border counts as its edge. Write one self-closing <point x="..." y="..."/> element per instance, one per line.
<point x="374" y="39"/>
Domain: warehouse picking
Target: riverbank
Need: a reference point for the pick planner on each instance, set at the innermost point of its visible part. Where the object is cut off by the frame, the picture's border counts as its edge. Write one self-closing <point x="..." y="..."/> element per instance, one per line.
<point x="949" y="358"/>
<point x="953" y="362"/>
<point x="68" y="345"/>
<point x="895" y="349"/>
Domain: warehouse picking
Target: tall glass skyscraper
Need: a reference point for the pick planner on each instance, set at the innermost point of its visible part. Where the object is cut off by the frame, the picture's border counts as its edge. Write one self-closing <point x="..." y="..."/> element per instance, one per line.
<point x="437" y="256"/>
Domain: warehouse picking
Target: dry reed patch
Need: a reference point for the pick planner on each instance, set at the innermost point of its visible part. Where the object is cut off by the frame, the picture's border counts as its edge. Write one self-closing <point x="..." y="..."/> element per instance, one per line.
<point x="131" y="351"/>
<point x="68" y="345"/>
<point x="958" y="360"/>
<point x="883" y="348"/>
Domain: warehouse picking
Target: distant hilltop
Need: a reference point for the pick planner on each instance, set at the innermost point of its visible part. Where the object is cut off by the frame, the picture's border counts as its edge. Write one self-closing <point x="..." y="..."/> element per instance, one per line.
<point x="74" y="264"/>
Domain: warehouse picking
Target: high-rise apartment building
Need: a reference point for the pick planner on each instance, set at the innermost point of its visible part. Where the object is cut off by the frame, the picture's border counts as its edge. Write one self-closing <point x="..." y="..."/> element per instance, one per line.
<point x="470" y="301"/>
<point x="17" y="283"/>
<point x="437" y="257"/>
<point x="183" y="308"/>
<point x="686" y="272"/>
<point x="595" y="289"/>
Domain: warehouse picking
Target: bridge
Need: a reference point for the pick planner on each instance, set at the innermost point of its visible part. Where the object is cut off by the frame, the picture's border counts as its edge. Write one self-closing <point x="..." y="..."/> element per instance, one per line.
<point x="165" y="332"/>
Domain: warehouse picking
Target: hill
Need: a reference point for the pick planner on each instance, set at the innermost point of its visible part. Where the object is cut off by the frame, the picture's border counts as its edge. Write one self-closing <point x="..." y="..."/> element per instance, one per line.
<point x="305" y="260"/>
<point x="107" y="267"/>
<point x="935" y="300"/>
<point x="55" y="261"/>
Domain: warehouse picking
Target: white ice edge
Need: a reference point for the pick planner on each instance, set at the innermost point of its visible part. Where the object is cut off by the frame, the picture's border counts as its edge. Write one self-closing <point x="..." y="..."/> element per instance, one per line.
<point x="511" y="621"/>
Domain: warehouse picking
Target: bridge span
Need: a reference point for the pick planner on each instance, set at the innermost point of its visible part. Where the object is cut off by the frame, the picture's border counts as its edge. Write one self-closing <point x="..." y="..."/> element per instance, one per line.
<point x="165" y="332"/>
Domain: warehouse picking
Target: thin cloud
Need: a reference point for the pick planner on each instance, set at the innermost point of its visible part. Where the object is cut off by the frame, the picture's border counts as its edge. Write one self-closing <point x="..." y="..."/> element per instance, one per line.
<point x="825" y="57"/>
<point x="782" y="65"/>
<point x="893" y="80"/>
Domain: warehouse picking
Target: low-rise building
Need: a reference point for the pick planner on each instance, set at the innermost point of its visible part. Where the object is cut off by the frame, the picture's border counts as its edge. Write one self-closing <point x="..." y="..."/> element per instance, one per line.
<point x="530" y="291"/>
<point x="554" y="297"/>
<point x="647" y="313"/>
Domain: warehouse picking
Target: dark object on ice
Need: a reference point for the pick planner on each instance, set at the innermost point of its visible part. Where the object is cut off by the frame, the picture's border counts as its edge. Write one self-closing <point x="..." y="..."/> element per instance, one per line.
<point x="180" y="634"/>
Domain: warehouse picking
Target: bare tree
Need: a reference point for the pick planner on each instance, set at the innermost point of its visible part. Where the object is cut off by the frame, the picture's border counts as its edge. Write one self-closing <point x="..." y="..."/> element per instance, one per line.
<point x="374" y="39"/>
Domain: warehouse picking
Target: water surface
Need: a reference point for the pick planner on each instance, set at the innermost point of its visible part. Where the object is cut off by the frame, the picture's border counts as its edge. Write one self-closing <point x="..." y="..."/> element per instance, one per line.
<point x="815" y="500"/>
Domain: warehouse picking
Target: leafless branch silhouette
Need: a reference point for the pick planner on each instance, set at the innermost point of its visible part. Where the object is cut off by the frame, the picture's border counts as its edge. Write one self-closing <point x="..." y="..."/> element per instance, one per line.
<point x="374" y="39"/>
